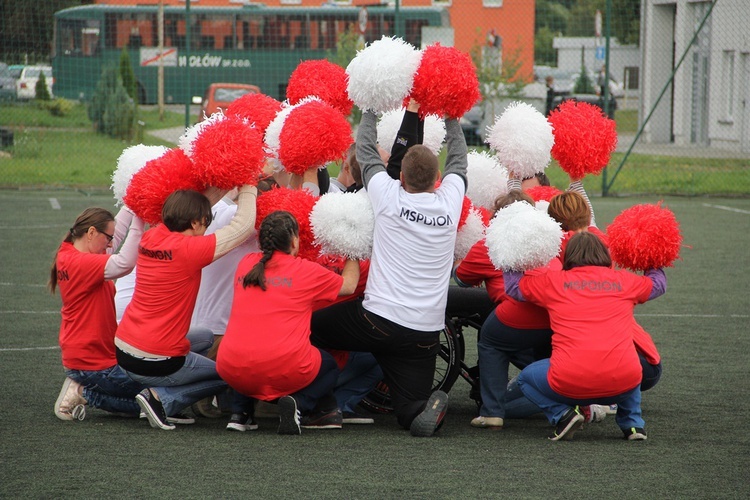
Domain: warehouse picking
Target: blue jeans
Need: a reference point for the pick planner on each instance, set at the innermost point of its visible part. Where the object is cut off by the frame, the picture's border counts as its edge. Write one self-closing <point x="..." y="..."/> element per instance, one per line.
<point x="110" y="389"/>
<point x="197" y="379"/>
<point x="360" y="375"/>
<point x="533" y="383"/>
<point x="318" y="395"/>
<point x="498" y="346"/>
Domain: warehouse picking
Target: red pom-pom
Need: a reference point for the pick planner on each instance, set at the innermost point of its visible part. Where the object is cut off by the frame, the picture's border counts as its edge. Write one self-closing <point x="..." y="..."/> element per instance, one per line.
<point x="465" y="208"/>
<point x="644" y="237"/>
<point x="543" y="193"/>
<point x="485" y="214"/>
<point x="229" y="153"/>
<point x="258" y="109"/>
<point x="151" y="186"/>
<point x="584" y="138"/>
<point x="313" y="134"/>
<point x="323" y="79"/>
<point x="298" y="202"/>
<point x="446" y="82"/>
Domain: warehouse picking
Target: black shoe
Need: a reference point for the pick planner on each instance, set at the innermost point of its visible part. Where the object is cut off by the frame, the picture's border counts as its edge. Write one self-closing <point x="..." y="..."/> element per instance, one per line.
<point x="635" y="434"/>
<point x="323" y="420"/>
<point x="289" y="416"/>
<point x="431" y="418"/>
<point x="181" y="419"/>
<point x="154" y="411"/>
<point x="352" y="417"/>
<point x="242" y="422"/>
<point x="567" y="426"/>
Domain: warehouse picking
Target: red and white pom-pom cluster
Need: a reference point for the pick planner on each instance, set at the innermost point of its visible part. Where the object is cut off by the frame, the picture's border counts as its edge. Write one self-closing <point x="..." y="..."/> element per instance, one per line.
<point x="487" y="179"/>
<point x="390" y="123"/>
<point x="257" y="109"/>
<point x="543" y="193"/>
<point x="322" y="79"/>
<point x="150" y="187"/>
<point x="584" y="138"/>
<point x="644" y="237"/>
<point x="131" y="160"/>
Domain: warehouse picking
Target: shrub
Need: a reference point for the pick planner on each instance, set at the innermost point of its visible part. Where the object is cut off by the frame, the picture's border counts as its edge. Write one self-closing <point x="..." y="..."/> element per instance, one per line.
<point x="128" y="75"/>
<point x="57" y="106"/>
<point x="112" y="110"/>
<point x="41" y="90"/>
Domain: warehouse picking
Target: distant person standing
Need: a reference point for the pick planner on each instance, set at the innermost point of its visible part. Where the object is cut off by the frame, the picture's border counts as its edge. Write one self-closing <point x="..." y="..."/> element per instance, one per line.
<point x="551" y="94"/>
<point x="603" y="79"/>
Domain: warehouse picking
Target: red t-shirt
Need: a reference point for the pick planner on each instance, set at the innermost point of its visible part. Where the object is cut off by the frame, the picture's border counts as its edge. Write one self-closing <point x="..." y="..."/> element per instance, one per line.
<point x="166" y="285"/>
<point x="336" y="264"/>
<point x="526" y="315"/>
<point x="477" y="267"/>
<point x="266" y="351"/>
<point x="644" y="344"/>
<point x="591" y="314"/>
<point x="87" y="330"/>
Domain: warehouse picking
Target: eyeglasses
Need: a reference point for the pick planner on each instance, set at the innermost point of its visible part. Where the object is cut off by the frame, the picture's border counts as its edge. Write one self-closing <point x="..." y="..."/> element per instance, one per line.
<point x="110" y="237"/>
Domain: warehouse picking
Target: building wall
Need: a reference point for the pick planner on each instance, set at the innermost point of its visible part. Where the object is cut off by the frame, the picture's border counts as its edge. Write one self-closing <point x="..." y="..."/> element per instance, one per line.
<point x="472" y="21"/>
<point x="620" y="56"/>
<point x="709" y="101"/>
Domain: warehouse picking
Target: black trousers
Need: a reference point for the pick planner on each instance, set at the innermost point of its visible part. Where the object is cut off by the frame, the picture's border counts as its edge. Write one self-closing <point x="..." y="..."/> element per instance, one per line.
<point x="406" y="356"/>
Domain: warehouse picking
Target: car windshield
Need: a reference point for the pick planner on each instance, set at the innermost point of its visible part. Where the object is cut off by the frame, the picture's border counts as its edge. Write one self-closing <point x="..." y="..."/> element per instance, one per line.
<point x="228" y="95"/>
<point x="34" y="72"/>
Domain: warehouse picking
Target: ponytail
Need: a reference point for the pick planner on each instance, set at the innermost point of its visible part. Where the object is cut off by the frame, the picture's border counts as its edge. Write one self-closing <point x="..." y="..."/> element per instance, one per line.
<point x="276" y="232"/>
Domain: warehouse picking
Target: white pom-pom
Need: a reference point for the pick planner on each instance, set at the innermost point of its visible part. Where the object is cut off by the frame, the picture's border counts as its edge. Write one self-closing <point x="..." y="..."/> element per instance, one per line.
<point x="542" y="206"/>
<point x="390" y="123"/>
<point x="382" y="74"/>
<point x="521" y="238"/>
<point x="343" y="224"/>
<point x="273" y="131"/>
<point x="131" y="161"/>
<point x="469" y="233"/>
<point x="486" y="178"/>
<point x="523" y="139"/>
<point x="185" y="142"/>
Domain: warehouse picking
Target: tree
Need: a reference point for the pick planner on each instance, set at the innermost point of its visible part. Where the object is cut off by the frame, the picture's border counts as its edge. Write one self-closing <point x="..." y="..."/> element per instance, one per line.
<point x="128" y="75"/>
<point x="41" y="91"/>
<point x="111" y="110"/>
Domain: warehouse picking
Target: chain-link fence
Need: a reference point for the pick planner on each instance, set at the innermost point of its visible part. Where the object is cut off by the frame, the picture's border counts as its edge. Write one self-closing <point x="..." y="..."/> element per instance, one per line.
<point x="675" y="75"/>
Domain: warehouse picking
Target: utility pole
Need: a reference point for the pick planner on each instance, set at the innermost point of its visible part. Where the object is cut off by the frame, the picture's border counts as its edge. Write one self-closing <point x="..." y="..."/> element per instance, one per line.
<point x="160" y="75"/>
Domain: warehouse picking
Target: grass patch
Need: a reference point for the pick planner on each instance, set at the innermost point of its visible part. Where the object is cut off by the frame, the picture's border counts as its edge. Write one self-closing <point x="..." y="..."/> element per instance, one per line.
<point x="626" y="121"/>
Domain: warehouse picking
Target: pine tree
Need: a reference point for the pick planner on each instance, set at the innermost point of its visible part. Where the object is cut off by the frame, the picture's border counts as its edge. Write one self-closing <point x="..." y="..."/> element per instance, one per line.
<point x="42" y="92"/>
<point x="128" y="75"/>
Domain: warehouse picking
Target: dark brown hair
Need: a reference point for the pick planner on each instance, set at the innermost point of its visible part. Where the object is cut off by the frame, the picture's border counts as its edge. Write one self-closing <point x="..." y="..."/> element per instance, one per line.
<point x="184" y="207"/>
<point x="541" y="178"/>
<point x="420" y="168"/>
<point x="276" y="232"/>
<point x="570" y="210"/>
<point x="95" y="217"/>
<point x="586" y="249"/>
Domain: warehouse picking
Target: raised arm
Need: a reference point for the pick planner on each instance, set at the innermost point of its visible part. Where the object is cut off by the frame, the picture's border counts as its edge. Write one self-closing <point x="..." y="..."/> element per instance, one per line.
<point x="242" y="225"/>
<point x="122" y="262"/>
<point x="351" y="277"/>
<point x="659" y="279"/>
<point x="410" y="133"/>
<point x="367" y="147"/>
<point x="455" y="162"/>
<point x="577" y="186"/>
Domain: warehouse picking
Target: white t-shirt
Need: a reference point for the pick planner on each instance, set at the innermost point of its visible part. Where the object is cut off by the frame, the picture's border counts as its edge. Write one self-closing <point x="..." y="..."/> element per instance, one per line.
<point x="412" y="254"/>
<point x="124" y="287"/>
<point x="216" y="292"/>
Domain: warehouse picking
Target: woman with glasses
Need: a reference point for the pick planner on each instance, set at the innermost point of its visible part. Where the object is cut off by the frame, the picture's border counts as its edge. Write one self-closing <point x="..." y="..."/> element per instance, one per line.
<point x="151" y="340"/>
<point x="84" y="268"/>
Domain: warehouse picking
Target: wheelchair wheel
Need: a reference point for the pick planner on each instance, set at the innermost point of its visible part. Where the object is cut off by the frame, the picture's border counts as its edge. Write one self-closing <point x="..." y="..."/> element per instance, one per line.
<point x="447" y="369"/>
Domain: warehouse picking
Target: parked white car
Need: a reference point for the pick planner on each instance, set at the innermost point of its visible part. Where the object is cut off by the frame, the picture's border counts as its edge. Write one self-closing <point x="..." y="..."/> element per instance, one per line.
<point x="26" y="83"/>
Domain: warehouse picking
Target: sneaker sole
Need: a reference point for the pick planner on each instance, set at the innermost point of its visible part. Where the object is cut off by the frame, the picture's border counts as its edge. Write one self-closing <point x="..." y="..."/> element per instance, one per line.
<point x="153" y="419"/>
<point x="570" y="429"/>
<point x="427" y="422"/>
<point x="77" y="413"/>
<point x="289" y="417"/>
<point x="322" y="427"/>
<point x="358" y="421"/>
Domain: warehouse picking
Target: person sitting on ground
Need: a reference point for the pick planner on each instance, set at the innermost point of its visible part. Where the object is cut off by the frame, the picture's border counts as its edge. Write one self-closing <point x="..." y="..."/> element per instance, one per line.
<point x="406" y="291"/>
<point x="593" y="359"/>
<point x="151" y="339"/>
<point x="266" y="352"/>
<point x="84" y="270"/>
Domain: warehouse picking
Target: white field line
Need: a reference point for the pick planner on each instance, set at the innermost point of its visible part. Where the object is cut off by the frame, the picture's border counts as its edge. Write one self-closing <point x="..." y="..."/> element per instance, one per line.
<point x="17" y="349"/>
<point x="40" y="226"/>
<point x="729" y="209"/>
<point x="35" y="285"/>
<point x="54" y="203"/>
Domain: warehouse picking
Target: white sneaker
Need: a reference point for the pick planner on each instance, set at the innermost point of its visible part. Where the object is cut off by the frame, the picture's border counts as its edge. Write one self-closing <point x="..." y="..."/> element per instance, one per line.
<point x="597" y="413"/>
<point x="70" y="405"/>
<point x="487" y="422"/>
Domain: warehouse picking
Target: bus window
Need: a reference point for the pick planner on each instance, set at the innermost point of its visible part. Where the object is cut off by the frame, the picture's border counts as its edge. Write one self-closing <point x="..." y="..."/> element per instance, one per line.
<point x="78" y="37"/>
<point x="214" y="30"/>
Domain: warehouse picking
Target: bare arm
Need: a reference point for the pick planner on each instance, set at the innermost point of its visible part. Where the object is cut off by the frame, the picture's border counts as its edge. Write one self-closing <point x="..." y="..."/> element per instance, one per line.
<point x="351" y="277"/>
<point x="242" y="225"/>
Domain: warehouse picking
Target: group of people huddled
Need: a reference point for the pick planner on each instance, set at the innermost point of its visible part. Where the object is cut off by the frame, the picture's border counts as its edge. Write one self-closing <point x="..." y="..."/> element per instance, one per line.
<point x="204" y="312"/>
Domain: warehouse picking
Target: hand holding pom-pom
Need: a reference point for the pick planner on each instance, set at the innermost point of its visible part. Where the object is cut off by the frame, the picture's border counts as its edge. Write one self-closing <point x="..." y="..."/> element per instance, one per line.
<point x="522" y="138"/>
<point x="131" y="160"/>
<point x="343" y="224"/>
<point x="521" y="238"/>
<point x="446" y="82"/>
<point x="584" y="138"/>
<point x="390" y="123"/>
<point x="323" y="79"/>
<point x="382" y="74"/>
<point x="644" y="237"/>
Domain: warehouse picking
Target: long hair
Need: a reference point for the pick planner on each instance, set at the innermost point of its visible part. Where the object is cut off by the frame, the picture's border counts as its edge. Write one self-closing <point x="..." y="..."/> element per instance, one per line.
<point x="570" y="210"/>
<point x="276" y="232"/>
<point x="586" y="249"/>
<point x="183" y="207"/>
<point x="91" y="217"/>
